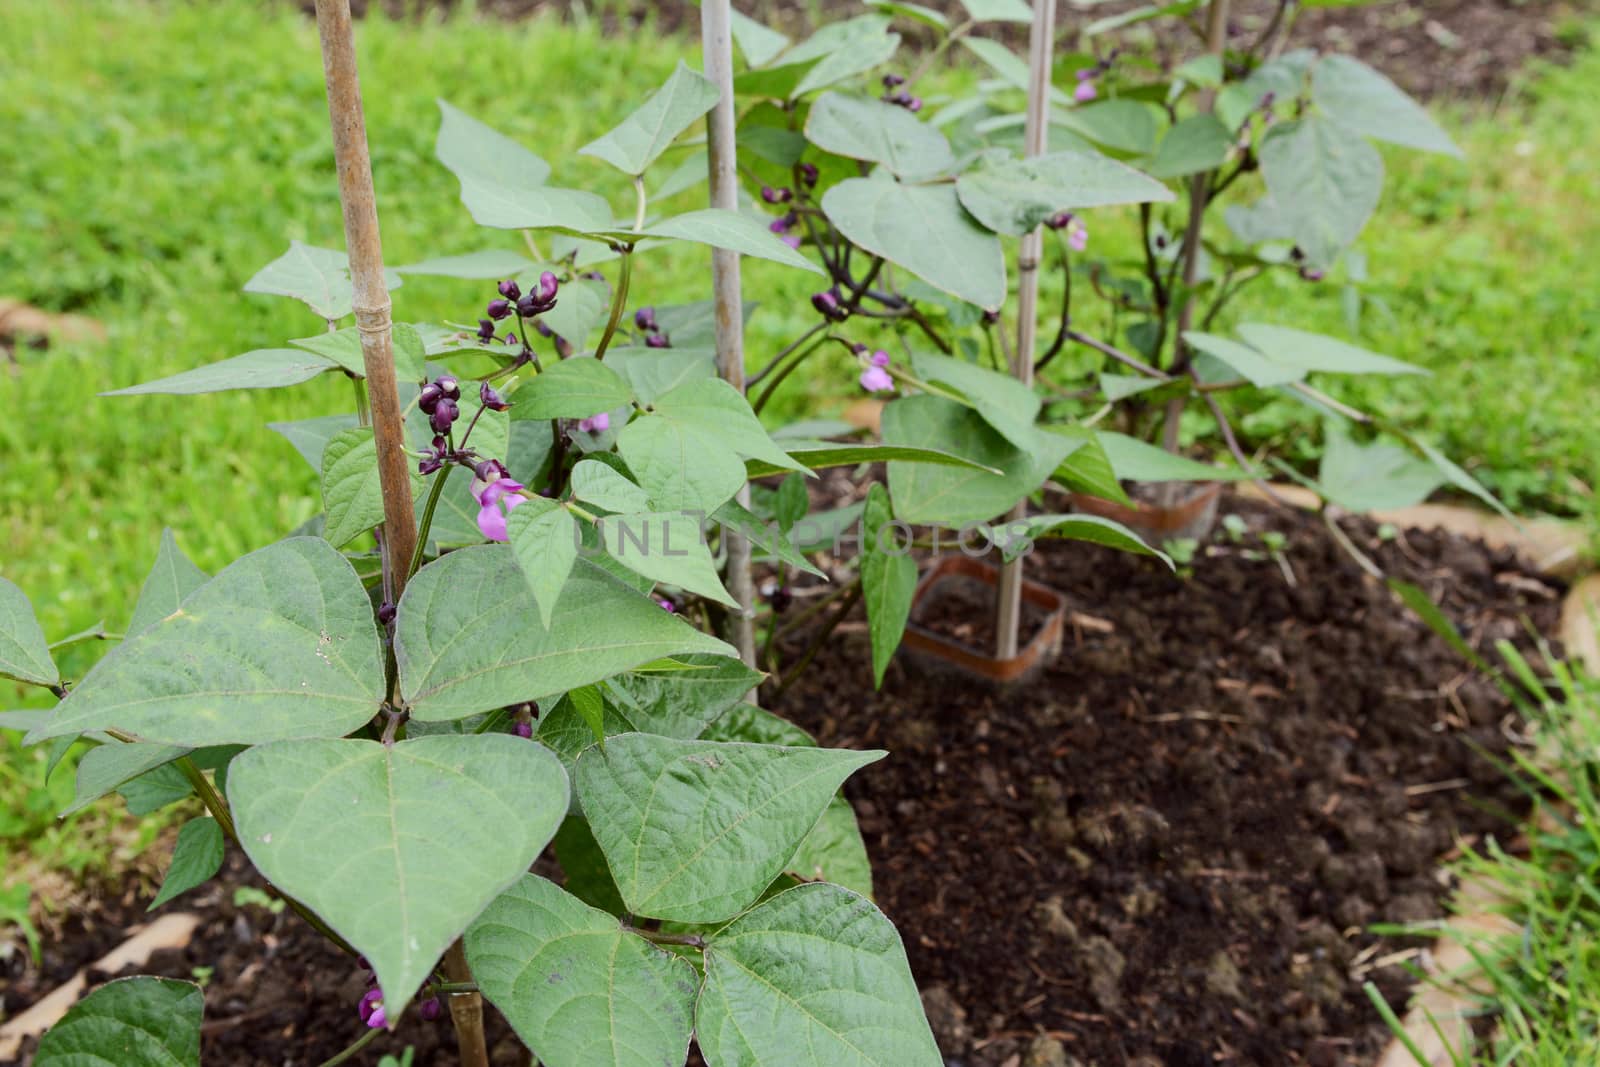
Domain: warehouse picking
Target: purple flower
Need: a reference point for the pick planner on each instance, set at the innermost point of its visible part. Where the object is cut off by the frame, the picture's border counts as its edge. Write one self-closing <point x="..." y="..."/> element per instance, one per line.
<point x="485" y="330"/>
<point x="386" y="613"/>
<point x="776" y="196"/>
<point x="371" y="1009"/>
<point x="429" y="465"/>
<point x="491" y="519"/>
<point x="429" y="396"/>
<point x="1078" y="237"/>
<point x="1312" y="274"/>
<point x="444" y="415"/>
<point x="880" y="358"/>
<point x="876" y="380"/>
<point x="828" y="305"/>
<point x="782" y="223"/>
<point x="523" y="729"/>
<point x="510" y="289"/>
<point x="808" y="173"/>
<point x="792" y="240"/>
<point x="657" y="340"/>
<point x="1060" y="220"/>
<point x="891" y="81"/>
<point x="499" y="309"/>
<point x="914" y="104"/>
<point x="491" y="398"/>
<point x="541" y="298"/>
<point x="666" y="605"/>
<point x="1085" y="91"/>
<point x="645" y="318"/>
<point x="430" y="1009"/>
<point x="490" y="470"/>
<point x="448" y="386"/>
<point x="1088" y="73"/>
<point x="595" y="423"/>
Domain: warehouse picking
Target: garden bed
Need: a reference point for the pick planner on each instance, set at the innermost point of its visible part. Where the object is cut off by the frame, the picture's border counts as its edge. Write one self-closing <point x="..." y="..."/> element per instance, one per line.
<point x="1165" y="849"/>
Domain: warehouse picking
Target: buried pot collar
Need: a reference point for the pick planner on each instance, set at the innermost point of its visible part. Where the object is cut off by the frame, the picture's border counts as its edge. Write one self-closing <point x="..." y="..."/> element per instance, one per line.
<point x="923" y="641"/>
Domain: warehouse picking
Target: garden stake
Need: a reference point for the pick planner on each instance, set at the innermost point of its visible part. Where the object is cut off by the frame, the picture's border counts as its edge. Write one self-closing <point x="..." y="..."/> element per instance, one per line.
<point x="716" y="40"/>
<point x="372" y="311"/>
<point x="1036" y="136"/>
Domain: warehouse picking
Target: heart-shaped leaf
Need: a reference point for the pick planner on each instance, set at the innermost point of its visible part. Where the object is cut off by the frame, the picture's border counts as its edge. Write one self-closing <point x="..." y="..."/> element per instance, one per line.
<point x="682" y="701"/>
<point x="476" y="151"/>
<point x="172" y="577"/>
<point x="281" y="644"/>
<point x="470" y="637"/>
<point x="352" y="493"/>
<point x="729" y="229"/>
<point x="814" y="977"/>
<point x="695" y="830"/>
<point x="344" y="348"/>
<point x="602" y="485"/>
<point x="318" y="277"/>
<point x="398" y="848"/>
<point x="877" y="132"/>
<point x="665" y="547"/>
<point x="265" y="368"/>
<point x="577" y="988"/>
<point x="888" y="579"/>
<point x="1325" y="179"/>
<point x="1366" y="101"/>
<point x="572" y="389"/>
<point x="24" y="653"/>
<point x="545" y="539"/>
<point x="634" y="144"/>
<point x="1016" y="195"/>
<point x="131" y="1022"/>
<point x="195" y="859"/>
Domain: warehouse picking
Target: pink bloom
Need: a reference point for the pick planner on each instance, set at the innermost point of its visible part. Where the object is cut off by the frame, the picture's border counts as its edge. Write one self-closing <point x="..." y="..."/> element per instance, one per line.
<point x="1078" y="238"/>
<point x="1084" y="92"/>
<point x="595" y="423"/>
<point x="371" y="1009"/>
<point x="880" y="358"/>
<point x="876" y="380"/>
<point x="666" y="605"/>
<point x="491" y="519"/>
<point x="791" y="240"/>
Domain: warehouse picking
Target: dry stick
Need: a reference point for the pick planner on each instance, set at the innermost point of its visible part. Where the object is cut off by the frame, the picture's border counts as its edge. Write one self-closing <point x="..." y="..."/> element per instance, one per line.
<point x="1036" y="134"/>
<point x="717" y="43"/>
<point x="372" y="309"/>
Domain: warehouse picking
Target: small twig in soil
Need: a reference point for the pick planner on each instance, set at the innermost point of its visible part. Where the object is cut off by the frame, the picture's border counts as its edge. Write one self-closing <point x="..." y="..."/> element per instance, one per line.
<point x="1437" y="787"/>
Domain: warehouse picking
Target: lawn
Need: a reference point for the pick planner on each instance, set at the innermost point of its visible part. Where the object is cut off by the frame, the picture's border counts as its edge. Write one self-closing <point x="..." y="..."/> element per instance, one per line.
<point x="160" y="153"/>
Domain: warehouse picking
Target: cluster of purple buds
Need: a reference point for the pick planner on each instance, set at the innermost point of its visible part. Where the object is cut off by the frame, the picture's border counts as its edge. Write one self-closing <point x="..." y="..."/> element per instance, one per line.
<point x="875" y="378"/>
<point x="1077" y="232"/>
<point x="893" y="94"/>
<point x="434" y="459"/>
<point x="645" y="319"/>
<point x="485" y="330"/>
<point x="808" y="174"/>
<point x="776" y="196"/>
<point x="431" y="1009"/>
<point x="1085" y="90"/>
<point x="490" y="397"/>
<point x="540" y="299"/>
<point x="523" y="730"/>
<point x="782" y="225"/>
<point x="438" y="402"/>
<point x="829" y="306"/>
<point x="595" y="423"/>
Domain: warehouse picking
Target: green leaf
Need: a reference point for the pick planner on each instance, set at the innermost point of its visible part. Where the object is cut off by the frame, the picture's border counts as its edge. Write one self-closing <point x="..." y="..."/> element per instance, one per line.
<point x="598" y="483"/>
<point x="693" y="831"/>
<point x="567" y="733"/>
<point x="1087" y="469"/>
<point x="1014" y="196"/>
<point x="731" y="230"/>
<point x="1454" y="474"/>
<point x="485" y="265"/>
<point x="569" y="211"/>
<point x="998" y="11"/>
<point x="821" y="455"/>
<point x="632" y="146"/>
<point x="1359" y="97"/>
<point x="692" y="172"/>
<point x="1374" y="477"/>
<point x="888" y="579"/>
<point x="24" y="653"/>
<point x="572" y="389"/>
<point x="654" y="372"/>
<point x="1121" y="386"/>
<point x="129" y="1022"/>
<point x="473" y="151"/>
<point x="470" y="637"/>
<point x="588" y="877"/>
<point x="759" y="44"/>
<point x="352" y="495"/>
<point x="1005" y="63"/>
<point x="580" y="310"/>
<point x="264" y="368"/>
<point x="588" y="702"/>
<point x="398" y="848"/>
<point x="544" y="538"/>
<point x="1122" y="125"/>
<point x="311" y="436"/>
<point x="1315" y="352"/>
<point x="577" y="987"/>
<point x="834" y="852"/>
<point x="1248" y="363"/>
<point x="767" y="541"/>
<point x="924" y="229"/>
<point x="925" y="15"/>
<point x="344" y="348"/>
<point x="1196" y="144"/>
<point x="682" y="703"/>
<point x="746" y="722"/>
<point x="319" y="277"/>
<point x="1004" y="402"/>
<point x="859" y="54"/>
<point x="281" y="644"/>
<point x="925" y="493"/>
<point x="665" y="547"/>
<point x="172" y="577"/>
<point x="196" y="858"/>
<point x="1138" y="461"/>
<point x="814" y="977"/>
<point x="878" y="132"/>
<point x="1325" y="179"/>
<point x="108" y="767"/>
<point x="1014" y="542"/>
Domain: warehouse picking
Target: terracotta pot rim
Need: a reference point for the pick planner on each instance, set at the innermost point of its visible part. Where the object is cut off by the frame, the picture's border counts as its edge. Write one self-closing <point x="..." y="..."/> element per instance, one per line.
<point x="1046" y="641"/>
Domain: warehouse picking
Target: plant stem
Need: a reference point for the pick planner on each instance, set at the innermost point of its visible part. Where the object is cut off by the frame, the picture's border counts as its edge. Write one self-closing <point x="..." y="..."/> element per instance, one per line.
<point x="618" y="299"/>
<point x="354" y="1047"/>
<point x="820" y="640"/>
<point x="766" y="394"/>
<point x="427" y="520"/>
<point x="363" y="409"/>
<point x="790" y="347"/>
<point x="446" y="988"/>
<point x="466" y="1010"/>
<point x="1117" y="354"/>
<point x="656" y="937"/>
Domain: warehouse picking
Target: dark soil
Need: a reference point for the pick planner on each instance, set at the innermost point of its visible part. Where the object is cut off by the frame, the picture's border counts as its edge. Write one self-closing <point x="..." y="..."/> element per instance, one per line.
<point x="1435" y="48"/>
<point x="1164" y="850"/>
<point x="1167" y="848"/>
<point x="962" y="609"/>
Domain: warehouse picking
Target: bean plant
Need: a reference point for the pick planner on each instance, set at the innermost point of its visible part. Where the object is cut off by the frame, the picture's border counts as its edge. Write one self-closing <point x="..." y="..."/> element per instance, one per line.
<point x="393" y="742"/>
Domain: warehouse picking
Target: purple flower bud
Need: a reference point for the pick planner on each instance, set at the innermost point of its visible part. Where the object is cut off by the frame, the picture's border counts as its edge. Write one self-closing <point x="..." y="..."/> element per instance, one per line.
<point x="892" y="80"/>
<point x="430" y="1009"/>
<point x="490" y="470"/>
<point x="1312" y="274"/>
<point x="548" y="284"/>
<point x="439" y="444"/>
<point x="429" y="465"/>
<point x="485" y="330"/>
<point x="1087" y="73"/>
<point x="792" y="240"/>
<point x="914" y="104"/>
<point x="490" y="398"/>
<point x="563" y="346"/>
<point x="991" y="317"/>
<point x="593" y="276"/>
<point x="645" y="318"/>
<point x="1078" y="238"/>
<point x="429" y="397"/>
<point x="828" y="305"/>
<point x="544" y="331"/>
<point x="523" y="730"/>
<point x="510" y="289"/>
<point x="371" y="1009"/>
<point x="780" y="224"/>
<point x="808" y="173"/>
<point x="876" y="380"/>
<point x="666" y="605"/>
<point x="1085" y="92"/>
<point x="444" y="415"/>
<point x="449" y="386"/>
<point x="776" y="196"/>
<point x="657" y="340"/>
<point x="595" y="423"/>
<point x="1267" y="100"/>
<point x="858" y="348"/>
<point x="880" y="358"/>
<point x="385" y="613"/>
<point x="499" y="309"/>
<point x="510" y="339"/>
